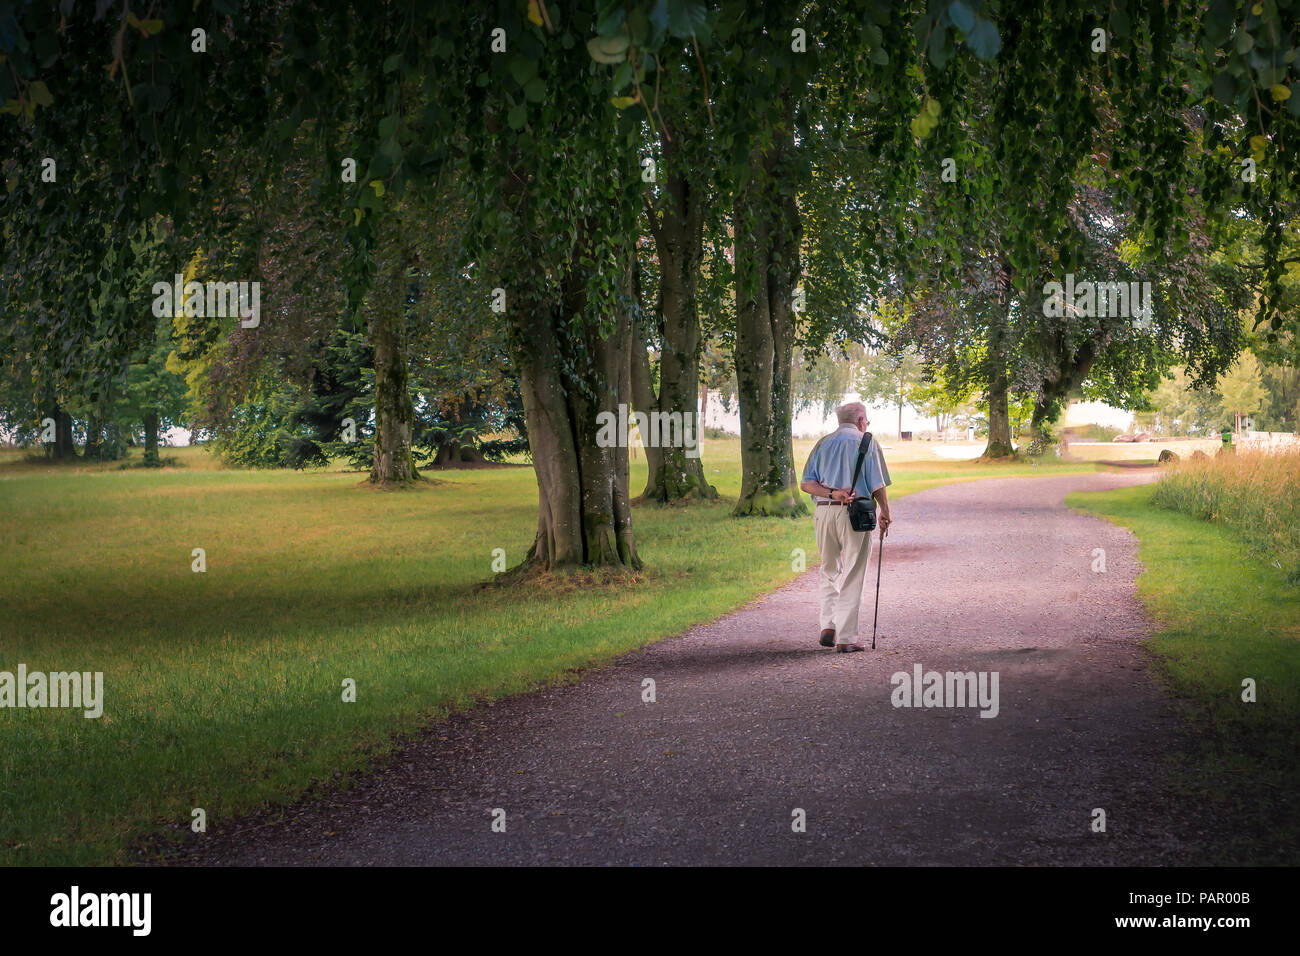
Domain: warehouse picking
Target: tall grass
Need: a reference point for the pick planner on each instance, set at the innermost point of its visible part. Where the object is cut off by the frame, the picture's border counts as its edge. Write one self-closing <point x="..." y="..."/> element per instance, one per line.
<point x="1257" y="495"/>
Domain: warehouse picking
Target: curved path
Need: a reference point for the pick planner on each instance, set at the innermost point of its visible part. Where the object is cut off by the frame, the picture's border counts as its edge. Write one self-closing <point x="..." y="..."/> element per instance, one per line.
<point x="753" y="720"/>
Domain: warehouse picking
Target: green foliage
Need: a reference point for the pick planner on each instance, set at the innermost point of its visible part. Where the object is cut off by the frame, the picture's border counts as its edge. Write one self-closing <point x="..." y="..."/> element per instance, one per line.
<point x="936" y="399"/>
<point x="1245" y="88"/>
<point x="1241" y="391"/>
<point x="256" y="435"/>
<point x="891" y="378"/>
<point x="1177" y="407"/>
<point x="152" y="386"/>
<point x="339" y="395"/>
<point x="822" y="380"/>
<point x="1282" y="410"/>
<point x="846" y="123"/>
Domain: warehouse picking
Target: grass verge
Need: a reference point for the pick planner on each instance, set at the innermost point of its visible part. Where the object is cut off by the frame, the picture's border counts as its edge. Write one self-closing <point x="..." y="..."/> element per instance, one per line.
<point x="1223" y="616"/>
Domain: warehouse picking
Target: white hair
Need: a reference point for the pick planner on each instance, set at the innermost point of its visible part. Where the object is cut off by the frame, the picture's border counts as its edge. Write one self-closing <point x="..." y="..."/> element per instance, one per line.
<point x="848" y="414"/>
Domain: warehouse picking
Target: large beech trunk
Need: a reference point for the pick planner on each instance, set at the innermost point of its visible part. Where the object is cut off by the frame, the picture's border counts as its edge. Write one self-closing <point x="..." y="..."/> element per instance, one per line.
<point x="1070" y="364"/>
<point x="569" y="372"/>
<point x="391" y="463"/>
<point x="63" y="447"/>
<point x="679" y="235"/>
<point x="566" y="378"/>
<point x="999" y="445"/>
<point x="767" y="271"/>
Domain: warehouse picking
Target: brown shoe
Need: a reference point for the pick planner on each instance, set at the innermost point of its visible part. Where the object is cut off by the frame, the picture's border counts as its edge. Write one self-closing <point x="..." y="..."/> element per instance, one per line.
<point x="848" y="648"/>
<point x="828" y="637"/>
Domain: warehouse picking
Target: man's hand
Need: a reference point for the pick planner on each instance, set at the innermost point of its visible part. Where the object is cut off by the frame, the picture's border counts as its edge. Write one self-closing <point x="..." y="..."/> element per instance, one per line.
<point x="844" y="495"/>
<point x="882" y="503"/>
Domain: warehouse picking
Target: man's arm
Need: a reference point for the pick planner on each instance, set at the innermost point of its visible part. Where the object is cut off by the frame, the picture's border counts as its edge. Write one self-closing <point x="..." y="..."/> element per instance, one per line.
<point x="882" y="505"/>
<point x="879" y="477"/>
<point x="811" y="487"/>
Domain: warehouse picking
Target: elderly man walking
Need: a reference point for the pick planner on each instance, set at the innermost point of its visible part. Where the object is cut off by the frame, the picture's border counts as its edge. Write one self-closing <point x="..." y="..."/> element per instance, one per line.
<point x="828" y="477"/>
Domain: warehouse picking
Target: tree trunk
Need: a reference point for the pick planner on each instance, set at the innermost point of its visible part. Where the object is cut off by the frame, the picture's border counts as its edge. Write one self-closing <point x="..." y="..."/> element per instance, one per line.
<point x="63" y="436"/>
<point x="767" y="271"/>
<point x="94" y="450"/>
<point x="999" y="445"/>
<point x="644" y="400"/>
<point x="569" y="373"/>
<point x="679" y="237"/>
<point x="112" y="448"/>
<point x="62" y="448"/>
<point x="1070" y="365"/>
<point x="1040" y="420"/>
<point x="584" y="509"/>
<point x="151" y="440"/>
<point x="391" y="463"/>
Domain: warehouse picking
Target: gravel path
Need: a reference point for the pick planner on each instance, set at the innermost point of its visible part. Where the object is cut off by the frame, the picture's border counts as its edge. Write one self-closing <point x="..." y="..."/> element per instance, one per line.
<point x="753" y="721"/>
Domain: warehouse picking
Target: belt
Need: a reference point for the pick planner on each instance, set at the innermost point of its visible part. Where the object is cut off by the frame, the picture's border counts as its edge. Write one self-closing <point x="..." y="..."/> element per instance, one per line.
<point x="837" y="504"/>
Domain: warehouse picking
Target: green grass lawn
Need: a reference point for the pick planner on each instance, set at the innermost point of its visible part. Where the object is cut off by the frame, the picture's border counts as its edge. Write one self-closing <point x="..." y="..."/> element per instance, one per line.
<point x="223" y="689"/>
<point x="1223" y="616"/>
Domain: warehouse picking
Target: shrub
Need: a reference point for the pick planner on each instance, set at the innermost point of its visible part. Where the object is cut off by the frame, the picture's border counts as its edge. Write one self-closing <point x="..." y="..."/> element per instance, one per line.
<point x="1256" y="494"/>
<point x="1092" y="432"/>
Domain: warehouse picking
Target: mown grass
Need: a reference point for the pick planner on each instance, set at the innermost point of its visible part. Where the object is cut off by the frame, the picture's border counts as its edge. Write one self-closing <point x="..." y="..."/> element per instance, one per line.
<point x="1255" y="494"/>
<point x="224" y="689"/>
<point x="1224" y="615"/>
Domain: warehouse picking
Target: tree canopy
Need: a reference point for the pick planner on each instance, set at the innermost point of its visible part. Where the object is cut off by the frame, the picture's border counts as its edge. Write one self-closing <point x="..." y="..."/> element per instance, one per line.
<point x="551" y="210"/>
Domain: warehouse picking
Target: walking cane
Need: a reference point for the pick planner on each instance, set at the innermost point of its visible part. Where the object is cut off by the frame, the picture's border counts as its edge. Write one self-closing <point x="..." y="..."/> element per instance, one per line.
<point x="880" y="558"/>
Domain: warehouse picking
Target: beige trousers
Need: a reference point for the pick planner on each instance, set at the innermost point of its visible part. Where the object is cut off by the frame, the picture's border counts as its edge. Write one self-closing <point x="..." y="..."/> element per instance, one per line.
<point x="845" y="554"/>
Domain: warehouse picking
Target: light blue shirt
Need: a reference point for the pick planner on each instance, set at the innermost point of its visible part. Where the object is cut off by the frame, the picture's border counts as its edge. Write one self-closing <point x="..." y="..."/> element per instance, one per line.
<point x="832" y="459"/>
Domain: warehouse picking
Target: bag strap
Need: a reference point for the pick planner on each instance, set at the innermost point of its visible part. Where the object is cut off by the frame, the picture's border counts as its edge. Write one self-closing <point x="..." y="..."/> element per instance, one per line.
<point x="862" y="453"/>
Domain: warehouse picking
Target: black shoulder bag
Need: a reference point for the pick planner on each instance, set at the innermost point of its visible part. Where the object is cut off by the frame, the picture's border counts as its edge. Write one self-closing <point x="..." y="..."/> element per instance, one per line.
<point x="862" y="510"/>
